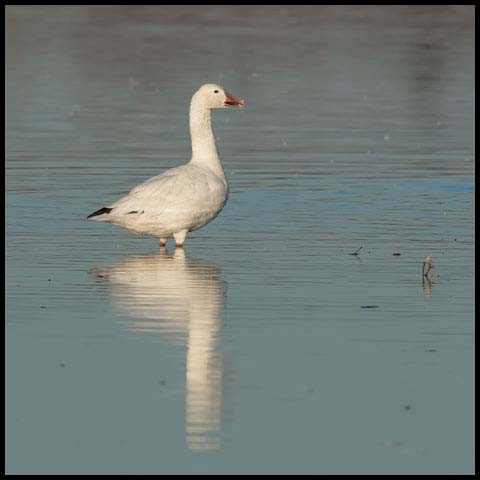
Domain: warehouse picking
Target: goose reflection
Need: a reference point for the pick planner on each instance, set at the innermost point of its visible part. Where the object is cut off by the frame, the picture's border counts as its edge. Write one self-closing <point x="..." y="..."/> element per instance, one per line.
<point x="182" y="299"/>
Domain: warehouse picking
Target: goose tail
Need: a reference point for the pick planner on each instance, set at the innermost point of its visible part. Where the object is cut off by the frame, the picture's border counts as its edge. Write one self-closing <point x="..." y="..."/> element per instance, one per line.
<point x="102" y="211"/>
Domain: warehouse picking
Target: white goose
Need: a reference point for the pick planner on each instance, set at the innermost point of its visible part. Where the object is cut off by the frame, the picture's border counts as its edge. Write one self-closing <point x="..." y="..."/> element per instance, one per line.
<point x="183" y="198"/>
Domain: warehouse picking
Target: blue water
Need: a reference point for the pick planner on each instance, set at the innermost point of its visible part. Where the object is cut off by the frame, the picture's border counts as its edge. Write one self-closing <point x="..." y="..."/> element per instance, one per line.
<point x="250" y="351"/>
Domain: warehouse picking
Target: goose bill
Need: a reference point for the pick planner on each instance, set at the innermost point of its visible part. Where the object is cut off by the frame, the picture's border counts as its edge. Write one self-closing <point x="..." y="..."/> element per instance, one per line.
<point x="232" y="101"/>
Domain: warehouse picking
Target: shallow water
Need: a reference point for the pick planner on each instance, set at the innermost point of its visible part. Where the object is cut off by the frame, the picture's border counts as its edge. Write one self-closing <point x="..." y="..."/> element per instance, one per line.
<point x="252" y="351"/>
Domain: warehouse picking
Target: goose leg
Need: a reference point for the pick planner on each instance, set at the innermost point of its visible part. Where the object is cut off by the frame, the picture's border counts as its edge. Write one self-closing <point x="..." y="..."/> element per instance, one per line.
<point x="180" y="238"/>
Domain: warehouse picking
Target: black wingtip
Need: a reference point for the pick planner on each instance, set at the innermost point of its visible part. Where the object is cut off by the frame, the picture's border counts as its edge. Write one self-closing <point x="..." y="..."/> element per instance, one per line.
<point x="100" y="212"/>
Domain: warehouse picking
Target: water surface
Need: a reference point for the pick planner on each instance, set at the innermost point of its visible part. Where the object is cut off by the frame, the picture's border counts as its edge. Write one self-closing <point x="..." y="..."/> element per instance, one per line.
<point x="251" y="351"/>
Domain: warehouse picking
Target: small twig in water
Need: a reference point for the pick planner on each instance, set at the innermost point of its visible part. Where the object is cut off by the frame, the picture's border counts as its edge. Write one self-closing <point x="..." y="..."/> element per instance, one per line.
<point x="427" y="266"/>
<point x="356" y="251"/>
<point x="427" y="286"/>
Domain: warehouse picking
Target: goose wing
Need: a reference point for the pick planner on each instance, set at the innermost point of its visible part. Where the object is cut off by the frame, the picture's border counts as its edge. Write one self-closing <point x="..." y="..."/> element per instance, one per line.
<point x="174" y="189"/>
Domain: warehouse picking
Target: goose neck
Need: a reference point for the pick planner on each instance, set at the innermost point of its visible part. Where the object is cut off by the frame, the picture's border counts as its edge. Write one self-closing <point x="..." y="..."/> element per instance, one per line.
<point x="204" y="150"/>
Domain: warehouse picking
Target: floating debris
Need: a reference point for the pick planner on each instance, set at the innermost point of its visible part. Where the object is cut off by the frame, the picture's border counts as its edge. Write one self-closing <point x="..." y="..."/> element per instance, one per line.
<point x="427" y="286"/>
<point x="370" y="306"/>
<point x="396" y="254"/>
<point x="356" y="251"/>
<point x="407" y="408"/>
<point x="427" y="266"/>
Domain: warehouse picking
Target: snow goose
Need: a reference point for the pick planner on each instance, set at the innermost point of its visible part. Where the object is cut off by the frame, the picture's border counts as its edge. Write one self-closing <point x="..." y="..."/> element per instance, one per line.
<point x="183" y="198"/>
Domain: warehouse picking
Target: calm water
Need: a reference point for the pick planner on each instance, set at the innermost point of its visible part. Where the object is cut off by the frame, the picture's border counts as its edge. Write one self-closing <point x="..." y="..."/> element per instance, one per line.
<point x="250" y="352"/>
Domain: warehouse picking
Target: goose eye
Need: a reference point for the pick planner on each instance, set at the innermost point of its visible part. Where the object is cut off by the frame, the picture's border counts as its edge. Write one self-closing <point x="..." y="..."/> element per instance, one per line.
<point x="216" y="91"/>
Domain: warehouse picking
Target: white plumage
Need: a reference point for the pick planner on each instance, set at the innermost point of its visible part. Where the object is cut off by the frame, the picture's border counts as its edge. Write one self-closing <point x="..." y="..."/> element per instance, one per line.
<point x="183" y="198"/>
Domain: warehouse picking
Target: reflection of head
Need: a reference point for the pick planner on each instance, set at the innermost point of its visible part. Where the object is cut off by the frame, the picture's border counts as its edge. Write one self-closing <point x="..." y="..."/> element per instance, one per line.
<point x="182" y="298"/>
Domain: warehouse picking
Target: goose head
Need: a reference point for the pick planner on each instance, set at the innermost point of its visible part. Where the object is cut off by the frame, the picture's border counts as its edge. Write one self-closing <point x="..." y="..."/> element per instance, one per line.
<point x="214" y="96"/>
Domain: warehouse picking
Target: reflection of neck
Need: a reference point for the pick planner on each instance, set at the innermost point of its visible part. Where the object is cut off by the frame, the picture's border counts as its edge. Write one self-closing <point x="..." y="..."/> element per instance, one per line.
<point x="204" y="151"/>
<point x="204" y="374"/>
